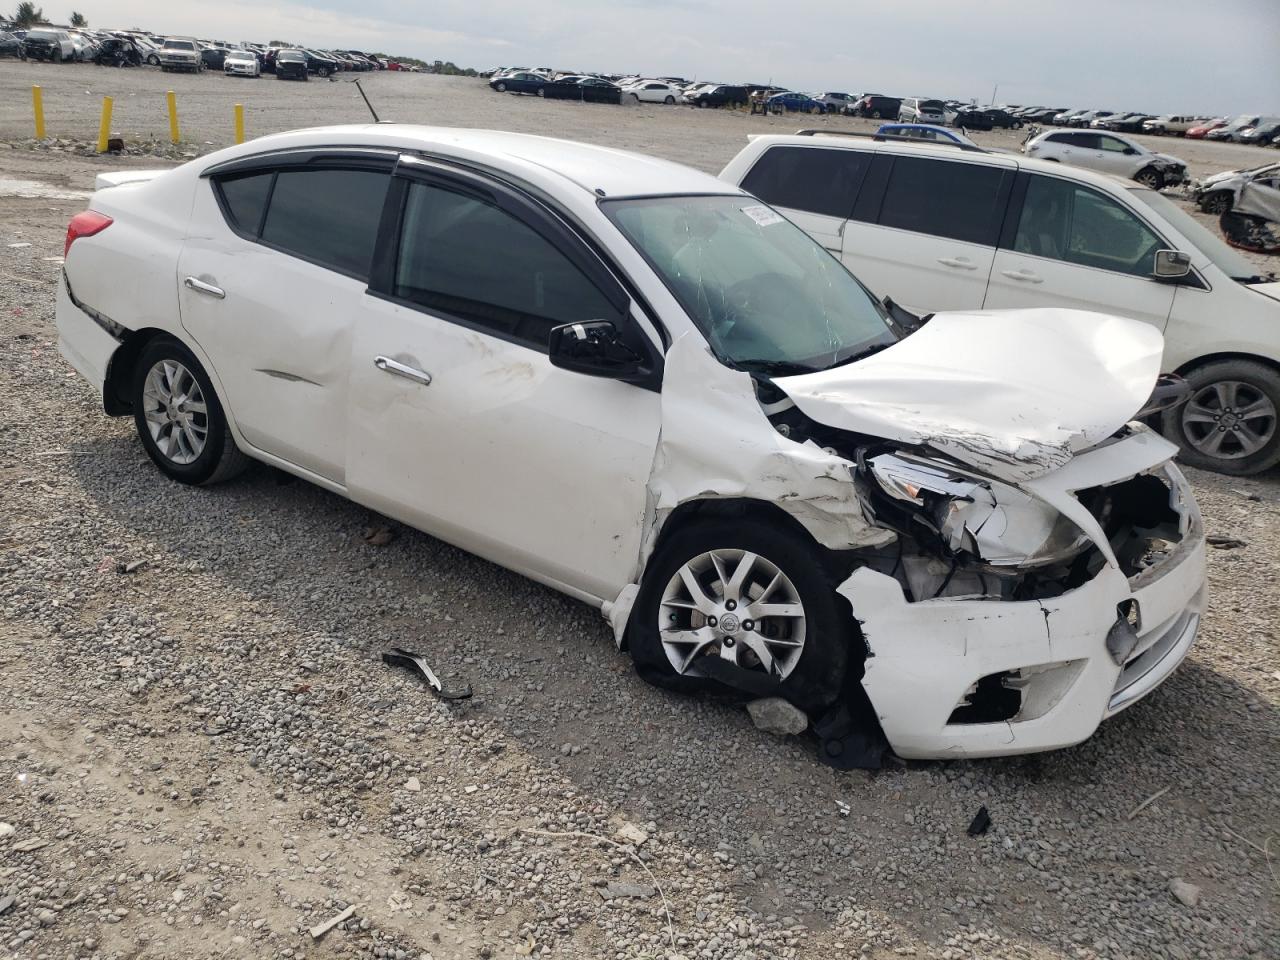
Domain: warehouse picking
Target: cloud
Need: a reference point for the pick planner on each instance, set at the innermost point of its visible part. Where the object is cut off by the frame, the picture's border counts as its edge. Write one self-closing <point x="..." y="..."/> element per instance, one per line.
<point x="1107" y="53"/>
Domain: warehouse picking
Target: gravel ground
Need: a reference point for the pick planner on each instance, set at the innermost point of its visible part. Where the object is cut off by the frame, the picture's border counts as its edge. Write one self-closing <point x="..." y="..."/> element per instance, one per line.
<point x="204" y="756"/>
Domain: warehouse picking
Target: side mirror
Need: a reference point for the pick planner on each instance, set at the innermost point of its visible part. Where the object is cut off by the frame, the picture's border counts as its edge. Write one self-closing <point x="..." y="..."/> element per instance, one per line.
<point x="1171" y="265"/>
<point x="594" y="348"/>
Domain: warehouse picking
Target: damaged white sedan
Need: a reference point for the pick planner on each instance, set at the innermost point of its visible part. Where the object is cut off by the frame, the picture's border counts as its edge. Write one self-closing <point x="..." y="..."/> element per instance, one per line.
<point x="638" y="385"/>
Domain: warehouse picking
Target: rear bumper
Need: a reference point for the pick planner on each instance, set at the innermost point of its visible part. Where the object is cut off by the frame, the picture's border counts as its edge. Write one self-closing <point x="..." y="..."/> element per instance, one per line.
<point x="82" y="341"/>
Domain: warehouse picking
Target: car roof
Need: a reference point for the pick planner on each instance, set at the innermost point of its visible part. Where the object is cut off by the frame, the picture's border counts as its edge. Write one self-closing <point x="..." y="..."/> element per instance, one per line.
<point x="595" y="169"/>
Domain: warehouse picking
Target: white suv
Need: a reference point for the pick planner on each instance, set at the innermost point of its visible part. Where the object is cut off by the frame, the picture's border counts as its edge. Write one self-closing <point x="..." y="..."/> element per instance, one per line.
<point x="922" y="110"/>
<point x="1109" y="153"/>
<point x="937" y="227"/>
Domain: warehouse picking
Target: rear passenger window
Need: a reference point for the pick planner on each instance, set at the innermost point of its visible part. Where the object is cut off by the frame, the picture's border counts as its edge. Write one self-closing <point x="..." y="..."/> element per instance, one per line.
<point x="329" y="217"/>
<point x="464" y="257"/>
<point x="1063" y="221"/>
<point x="961" y="201"/>
<point x="244" y="199"/>
<point x="809" y="179"/>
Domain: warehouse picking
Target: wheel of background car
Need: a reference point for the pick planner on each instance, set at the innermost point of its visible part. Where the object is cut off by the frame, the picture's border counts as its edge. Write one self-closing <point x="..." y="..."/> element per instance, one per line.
<point x="1150" y="177"/>
<point x="635" y="98"/>
<point x="56" y="55"/>
<point x="153" y="60"/>
<point x="752" y="593"/>
<point x="669" y="100"/>
<point x="1230" y="423"/>
<point x="178" y="417"/>
<point x="542" y="91"/>
<point x="1217" y="203"/>
<point x="501" y="88"/>
<point x="1017" y="124"/>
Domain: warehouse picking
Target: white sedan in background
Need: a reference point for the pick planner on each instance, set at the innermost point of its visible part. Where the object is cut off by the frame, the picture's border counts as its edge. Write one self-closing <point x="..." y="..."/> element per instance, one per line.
<point x="641" y="386"/>
<point x="1112" y="153"/>
<point x="241" y="63"/>
<point x="653" y="91"/>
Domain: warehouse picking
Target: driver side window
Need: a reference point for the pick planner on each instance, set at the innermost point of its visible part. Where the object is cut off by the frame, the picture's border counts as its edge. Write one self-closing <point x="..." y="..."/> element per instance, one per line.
<point x="1063" y="221"/>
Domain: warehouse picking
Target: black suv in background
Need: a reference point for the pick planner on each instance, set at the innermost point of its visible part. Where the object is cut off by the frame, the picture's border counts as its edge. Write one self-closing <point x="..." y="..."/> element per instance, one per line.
<point x="719" y="96"/>
<point x="52" y="45"/>
<point x="875" y="105"/>
<point x="291" y="65"/>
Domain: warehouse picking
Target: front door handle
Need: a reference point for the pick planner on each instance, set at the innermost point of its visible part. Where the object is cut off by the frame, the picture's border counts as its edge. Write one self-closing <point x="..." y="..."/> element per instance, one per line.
<point x="199" y="286"/>
<point x="959" y="262"/>
<point x="387" y="365"/>
<point x="1025" y="276"/>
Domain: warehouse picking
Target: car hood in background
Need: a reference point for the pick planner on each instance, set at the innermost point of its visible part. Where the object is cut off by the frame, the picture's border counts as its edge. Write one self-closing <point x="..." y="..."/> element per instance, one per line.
<point x="1271" y="290"/>
<point x="1012" y="393"/>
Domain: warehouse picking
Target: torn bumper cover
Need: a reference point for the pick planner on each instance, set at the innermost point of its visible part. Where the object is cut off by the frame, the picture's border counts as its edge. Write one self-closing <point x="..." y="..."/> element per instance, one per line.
<point x="982" y="677"/>
<point x="86" y="338"/>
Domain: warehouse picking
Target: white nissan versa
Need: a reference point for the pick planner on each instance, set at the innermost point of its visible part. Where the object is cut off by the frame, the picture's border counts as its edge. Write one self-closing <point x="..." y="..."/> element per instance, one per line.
<point x="639" y="385"/>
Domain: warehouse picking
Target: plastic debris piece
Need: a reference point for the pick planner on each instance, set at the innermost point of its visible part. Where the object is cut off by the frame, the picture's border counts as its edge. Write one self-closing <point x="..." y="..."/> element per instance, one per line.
<point x="981" y="823"/>
<point x="397" y="657"/>
<point x="320" y="929"/>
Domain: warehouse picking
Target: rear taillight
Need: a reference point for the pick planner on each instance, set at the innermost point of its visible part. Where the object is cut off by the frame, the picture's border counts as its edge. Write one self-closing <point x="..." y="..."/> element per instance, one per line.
<point x="85" y="224"/>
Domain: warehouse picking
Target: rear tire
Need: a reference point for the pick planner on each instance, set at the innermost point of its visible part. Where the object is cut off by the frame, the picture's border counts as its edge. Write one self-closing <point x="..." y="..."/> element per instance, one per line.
<point x="813" y="674"/>
<point x="178" y="416"/>
<point x="1245" y="397"/>
<point x="501" y="88"/>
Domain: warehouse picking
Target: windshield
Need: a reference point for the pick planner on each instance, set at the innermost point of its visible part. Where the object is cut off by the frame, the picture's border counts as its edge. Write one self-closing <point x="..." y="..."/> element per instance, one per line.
<point x="765" y="295"/>
<point x="1222" y="256"/>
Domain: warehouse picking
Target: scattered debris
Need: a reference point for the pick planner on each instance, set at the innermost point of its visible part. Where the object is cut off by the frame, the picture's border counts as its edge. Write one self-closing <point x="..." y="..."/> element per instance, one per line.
<point x="630" y="833"/>
<point x="413" y="784"/>
<point x="133" y="566"/>
<point x="1225" y="543"/>
<point x="526" y="949"/>
<point x="398" y="901"/>
<point x="621" y="890"/>
<point x="843" y="808"/>
<point x="981" y="823"/>
<point x="18" y="246"/>
<point x="779" y="716"/>
<point x="1149" y="801"/>
<point x="1187" y="894"/>
<point x="378" y="536"/>
<point x="397" y="657"/>
<point x="320" y="929"/>
<point x="1247" y="494"/>
<point x="31" y="843"/>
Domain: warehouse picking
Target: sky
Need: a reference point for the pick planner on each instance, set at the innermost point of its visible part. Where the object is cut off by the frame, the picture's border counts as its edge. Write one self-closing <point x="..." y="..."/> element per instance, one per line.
<point x="1160" y="56"/>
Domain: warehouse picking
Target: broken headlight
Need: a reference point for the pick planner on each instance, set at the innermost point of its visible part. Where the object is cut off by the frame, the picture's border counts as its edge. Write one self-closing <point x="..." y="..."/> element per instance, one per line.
<point x="992" y="521"/>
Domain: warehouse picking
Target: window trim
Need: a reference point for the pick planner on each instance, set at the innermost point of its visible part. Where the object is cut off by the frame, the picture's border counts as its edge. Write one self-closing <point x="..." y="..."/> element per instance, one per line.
<point x="533" y="215"/>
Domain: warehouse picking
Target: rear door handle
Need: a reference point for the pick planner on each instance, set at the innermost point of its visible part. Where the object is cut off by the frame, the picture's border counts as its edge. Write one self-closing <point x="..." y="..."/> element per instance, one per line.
<point x="1025" y="276"/>
<point x="387" y="365"/>
<point x="962" y="263"/>
<point x="199" y="286"/>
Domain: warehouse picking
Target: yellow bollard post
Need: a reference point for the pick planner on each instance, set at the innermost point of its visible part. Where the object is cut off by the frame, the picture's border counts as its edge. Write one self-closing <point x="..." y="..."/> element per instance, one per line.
<point x="239" y="123"/>
<point x="37" y="104"/>
<point x="104" y="127"/>
<point x="173" y="118"/>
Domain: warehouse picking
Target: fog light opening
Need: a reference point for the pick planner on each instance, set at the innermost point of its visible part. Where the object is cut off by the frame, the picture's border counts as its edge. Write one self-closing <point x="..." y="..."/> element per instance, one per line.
<point x="994" y="698"/>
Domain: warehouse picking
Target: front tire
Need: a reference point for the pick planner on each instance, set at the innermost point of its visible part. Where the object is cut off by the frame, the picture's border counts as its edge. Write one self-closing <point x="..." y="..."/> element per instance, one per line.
<point x="1150" y="177"/>
<point x="757" y="595"/>
<point x="1230" y="424"/>
<point x="669" y="100"/>
<point x="1217" y="203"/>
<point x="501" y="88"/>
<point x="178" y="417"/>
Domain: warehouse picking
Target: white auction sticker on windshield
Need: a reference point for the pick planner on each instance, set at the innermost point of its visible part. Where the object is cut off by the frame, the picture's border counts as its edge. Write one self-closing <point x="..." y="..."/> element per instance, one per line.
<point x="762" y="215"/>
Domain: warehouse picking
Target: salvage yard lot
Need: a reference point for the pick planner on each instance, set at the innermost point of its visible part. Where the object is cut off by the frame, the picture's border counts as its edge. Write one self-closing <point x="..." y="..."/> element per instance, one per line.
<point x="216" y="760"/>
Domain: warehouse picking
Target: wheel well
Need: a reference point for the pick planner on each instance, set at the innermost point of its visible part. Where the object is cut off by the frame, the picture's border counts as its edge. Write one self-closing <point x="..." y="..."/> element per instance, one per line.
<point x="115" y="389"/>
<point x="1216" y="357"/>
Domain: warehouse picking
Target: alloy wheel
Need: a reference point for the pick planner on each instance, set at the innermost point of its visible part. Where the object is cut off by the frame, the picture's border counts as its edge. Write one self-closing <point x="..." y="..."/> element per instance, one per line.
<point x="736" y="605"/>
<point x="175" y="411"/>
<point x="1229" y="420"/>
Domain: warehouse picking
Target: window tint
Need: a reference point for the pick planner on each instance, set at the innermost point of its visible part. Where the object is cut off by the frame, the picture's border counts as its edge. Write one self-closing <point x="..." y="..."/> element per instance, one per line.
<point x="809" y="178"/>
<point x="1112" y="144"/>
<point x="963" y="201"/>
<point x="245" y="199"/>
<point x="466" y="257"/>
<point x="327" y="216"/>
<point x="1063" y="221"/>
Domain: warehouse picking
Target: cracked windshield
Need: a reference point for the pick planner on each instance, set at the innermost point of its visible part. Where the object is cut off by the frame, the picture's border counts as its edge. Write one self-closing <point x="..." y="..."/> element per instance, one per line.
<point x="767" y="297"/>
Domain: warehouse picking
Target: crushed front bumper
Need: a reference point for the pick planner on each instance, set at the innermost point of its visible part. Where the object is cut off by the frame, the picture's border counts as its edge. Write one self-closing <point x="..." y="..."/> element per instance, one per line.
<point x="926" y="658"/>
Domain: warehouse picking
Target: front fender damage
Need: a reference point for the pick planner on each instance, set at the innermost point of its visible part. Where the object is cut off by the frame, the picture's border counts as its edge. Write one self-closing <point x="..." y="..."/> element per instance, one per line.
<point x="717" y="443"/>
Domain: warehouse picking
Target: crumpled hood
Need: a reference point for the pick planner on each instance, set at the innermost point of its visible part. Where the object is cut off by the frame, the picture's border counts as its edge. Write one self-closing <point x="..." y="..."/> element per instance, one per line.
<point x="1013" y="393"/>
<point x="1171" y="160"/>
